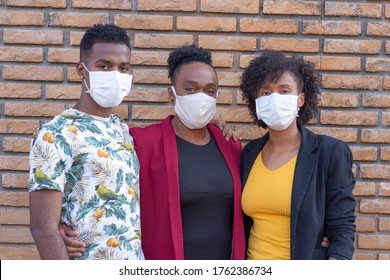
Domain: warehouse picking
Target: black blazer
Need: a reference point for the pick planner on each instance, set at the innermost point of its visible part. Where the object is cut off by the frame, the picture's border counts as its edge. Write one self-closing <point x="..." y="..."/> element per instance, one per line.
<point x="322" y="203"/>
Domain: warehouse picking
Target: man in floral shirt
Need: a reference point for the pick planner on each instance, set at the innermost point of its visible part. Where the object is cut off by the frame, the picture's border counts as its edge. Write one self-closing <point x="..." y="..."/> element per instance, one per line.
<point x="83" y="168"/>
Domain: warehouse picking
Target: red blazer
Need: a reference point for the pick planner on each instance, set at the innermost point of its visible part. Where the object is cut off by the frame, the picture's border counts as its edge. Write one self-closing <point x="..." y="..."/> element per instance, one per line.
<point x="162" y="236"/>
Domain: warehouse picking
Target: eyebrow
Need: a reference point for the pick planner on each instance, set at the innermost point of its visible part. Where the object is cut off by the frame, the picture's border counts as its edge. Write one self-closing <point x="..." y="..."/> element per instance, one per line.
<point x="110" y="62"/>
<point x="194" y="82"/>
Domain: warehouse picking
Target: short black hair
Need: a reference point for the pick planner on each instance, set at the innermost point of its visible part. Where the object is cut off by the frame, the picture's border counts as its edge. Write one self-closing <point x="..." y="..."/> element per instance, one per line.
<point x="269" y="67"/>
<point x="186" y="55"/>
<point x="109" y="33"/>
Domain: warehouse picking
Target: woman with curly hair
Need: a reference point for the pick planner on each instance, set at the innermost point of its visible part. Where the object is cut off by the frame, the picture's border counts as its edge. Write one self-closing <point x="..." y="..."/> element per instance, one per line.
<point x="297" y="184"/>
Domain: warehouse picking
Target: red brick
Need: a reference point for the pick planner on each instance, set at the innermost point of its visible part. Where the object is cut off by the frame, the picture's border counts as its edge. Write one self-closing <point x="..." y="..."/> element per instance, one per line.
<point x="330" y="27"/>
<point x="386" y="118"/>
<point x="236" y="43"/>
<point x="140" y="112"/>
<point x="150" y="76"/>
<point x="37" y="3"/>
<point x="21" y="54"/>
<point x="14" y="199"/>
<point x="33" y="73"/>
<point x="225" y="97"/>
<point x="245" y="59"/>
<point x="362" y="256"/>
<point x="24" y="252"/>
<point x="222" y="59"/>
<point x="385" y="153"/>
<point x="352" y="46"/>
<point x="218" y="24"/>
<point x="339" y="100"/>
<point x="290" y="45"/>
<point x="60" y="55"/>
<point x="377" y="64"/>
<point x="14" y="90"/>
<point x="375" y="136"/>
<point x="156" y="58"/>
<point x="335" y="63"/>
<point x="230" y="6"/>
<point x="343" y="134"/>
<point x="143" y="22"/>
<point x="15" y="180"/>
<point x="77" y="19"/>
<point x="167" y="5"/>
<point x="276" y="7"/>
<point x="376" y="100"/>
<point x="387" y="11"/>
<point x="75" y="38"/>
<point x="229" y="78"/>
<point x="384" y="224"/>
<point x="349" y="118"/>
<point x="265" y="25"/>
<point x="387" y="48"/>
<point x="102" y="4"/>
<point x="383" y="256"/>
<point x="16" y="144"/>
<point x="353" y="10"/>
<point x="375" y="206"/>
<point x="365" y="224"/>
<point x="15" y="216"/>
<point x="364" y="189"/>
<point x="230" y="114"/>
<point x="34" y="37"/>
<point x="147" y="94"/>
<point x="351" y="82"/>
<point x="384" y="189"/>
<point x="364" y="153"/>
<point x="160" y="41"/>
<point x="122" y="111"/>
<point x="72" y="75"/>
<point x="250" y="132"/>
<point x="15" y="234"/>
<point x="21" y="18"/>
<point x="37" y="109"/>
<point x="375" y="171"/>
<point x="386" y="83"/>
<point x="18" y="126"/>
<point x="59" y="91"/>
<point x="373" y="242"/>
<point x="381" y="29"/>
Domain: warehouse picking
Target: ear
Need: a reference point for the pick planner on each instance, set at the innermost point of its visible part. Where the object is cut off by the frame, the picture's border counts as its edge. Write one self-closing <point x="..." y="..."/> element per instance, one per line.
<point x="80" y="70"/>
<point x="301" y="100"/>
<point x="171" y="95"/>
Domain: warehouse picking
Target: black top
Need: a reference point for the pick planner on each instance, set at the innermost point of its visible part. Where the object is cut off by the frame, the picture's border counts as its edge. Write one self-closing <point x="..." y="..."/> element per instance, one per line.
<point x="206" y="198"/>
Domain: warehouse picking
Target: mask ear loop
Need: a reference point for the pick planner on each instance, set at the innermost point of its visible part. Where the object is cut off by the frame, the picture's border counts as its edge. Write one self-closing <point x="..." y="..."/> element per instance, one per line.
<point x="82" y="78"/>
<point x="299" y="108"/>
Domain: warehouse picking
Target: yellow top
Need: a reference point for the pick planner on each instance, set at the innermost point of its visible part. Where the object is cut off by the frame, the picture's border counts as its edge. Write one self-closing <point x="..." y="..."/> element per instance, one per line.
<point x="267" y="200"/>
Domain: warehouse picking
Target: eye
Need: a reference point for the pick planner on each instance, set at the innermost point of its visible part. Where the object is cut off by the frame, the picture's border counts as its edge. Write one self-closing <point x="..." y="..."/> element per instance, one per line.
<point x="190" y="90"/>
<point x="103" y="67"/>
<point x="210" y="92"/>
<point x="124" y="68"/>
<point x="266" y="93"/>
<point x="285" y="91"/>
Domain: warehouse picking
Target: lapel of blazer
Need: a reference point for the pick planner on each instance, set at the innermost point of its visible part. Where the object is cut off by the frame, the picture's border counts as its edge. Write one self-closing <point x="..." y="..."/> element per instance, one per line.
<point x="171" y="156"/>
<point x="302" y="176"/>
<point x="249" y="155"/>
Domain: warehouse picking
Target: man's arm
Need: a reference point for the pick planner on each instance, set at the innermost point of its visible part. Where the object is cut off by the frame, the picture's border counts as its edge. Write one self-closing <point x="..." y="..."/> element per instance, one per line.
<point x="45" y="213"/>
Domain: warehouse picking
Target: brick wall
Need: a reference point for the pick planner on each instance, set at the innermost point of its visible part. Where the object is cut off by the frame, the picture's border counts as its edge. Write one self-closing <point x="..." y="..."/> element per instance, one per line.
<point x="349" y="42"/>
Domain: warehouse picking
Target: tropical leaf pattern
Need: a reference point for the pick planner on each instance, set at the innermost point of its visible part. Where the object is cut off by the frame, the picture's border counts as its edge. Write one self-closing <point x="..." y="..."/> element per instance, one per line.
<point x="92" y="161"/>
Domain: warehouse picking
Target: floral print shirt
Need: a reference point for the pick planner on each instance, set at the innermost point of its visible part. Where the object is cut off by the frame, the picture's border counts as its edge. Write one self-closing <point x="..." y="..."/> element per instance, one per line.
<point x="92" y="161"/>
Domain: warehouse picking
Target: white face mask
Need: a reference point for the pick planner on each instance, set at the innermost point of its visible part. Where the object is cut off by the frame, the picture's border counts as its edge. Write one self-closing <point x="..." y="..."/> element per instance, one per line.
<point x="195" y="110"/>
<point x="277" y="111"/>
<point x="108" y="88"/>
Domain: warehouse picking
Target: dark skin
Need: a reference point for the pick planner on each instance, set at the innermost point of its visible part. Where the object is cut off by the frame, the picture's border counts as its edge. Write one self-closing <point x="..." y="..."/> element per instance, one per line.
<point x="102" y="57"/>
<point x="46" y="205"/>
<point x="193" y="78"/>
<point x="284" y="145"/>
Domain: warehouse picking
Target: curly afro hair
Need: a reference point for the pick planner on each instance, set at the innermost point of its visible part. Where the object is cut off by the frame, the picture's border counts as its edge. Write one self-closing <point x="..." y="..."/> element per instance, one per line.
<point x="108" y="33"/>
<point x="268" y="68"/>
<point x="186" y="55"/>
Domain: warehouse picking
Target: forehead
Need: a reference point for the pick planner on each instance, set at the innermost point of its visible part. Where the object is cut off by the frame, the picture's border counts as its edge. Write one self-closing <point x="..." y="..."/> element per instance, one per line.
<point x="287" y="78"/>
<point x="197" y="71"/>
<point x="109" y="51"/>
